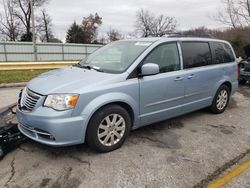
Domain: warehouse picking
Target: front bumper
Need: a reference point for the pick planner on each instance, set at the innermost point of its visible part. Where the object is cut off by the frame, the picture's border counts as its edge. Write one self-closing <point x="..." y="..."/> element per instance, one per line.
<point x="51" y="127"/>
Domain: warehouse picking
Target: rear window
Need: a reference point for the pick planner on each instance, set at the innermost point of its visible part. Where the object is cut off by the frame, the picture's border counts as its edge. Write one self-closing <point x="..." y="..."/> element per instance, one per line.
<point x="196" y="54"/>
<point x="222" y="53"/>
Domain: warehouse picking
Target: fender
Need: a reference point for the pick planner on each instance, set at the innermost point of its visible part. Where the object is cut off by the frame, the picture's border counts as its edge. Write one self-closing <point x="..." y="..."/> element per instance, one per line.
<point x="105" y="99"/>
<point x="223" y="80"/>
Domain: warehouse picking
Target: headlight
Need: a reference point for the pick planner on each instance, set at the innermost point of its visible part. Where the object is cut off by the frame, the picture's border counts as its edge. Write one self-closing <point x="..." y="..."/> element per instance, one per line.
<point x="61" y="102"/>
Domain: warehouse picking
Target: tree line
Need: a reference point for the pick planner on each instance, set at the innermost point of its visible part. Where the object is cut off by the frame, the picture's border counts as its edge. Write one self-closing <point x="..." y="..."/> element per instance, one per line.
<point x="15" y="21"/>
<point x="15" y="24"/>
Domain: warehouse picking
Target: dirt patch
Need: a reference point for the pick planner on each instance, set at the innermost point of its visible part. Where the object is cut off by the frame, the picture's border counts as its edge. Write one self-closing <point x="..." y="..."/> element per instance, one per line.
<point x="160" y="135"/>
<point x="45" y="182"/>
<point x="65" y="180"/>
<point x="232" y="104"/>
<point x="245" y="90"/>
<point x="193" y="131"/>
<point x="223" y="128"/>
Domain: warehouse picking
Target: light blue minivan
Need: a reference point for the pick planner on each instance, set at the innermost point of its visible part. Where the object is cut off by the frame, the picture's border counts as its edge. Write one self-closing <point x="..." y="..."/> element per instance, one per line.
<point x="126" y="85"/>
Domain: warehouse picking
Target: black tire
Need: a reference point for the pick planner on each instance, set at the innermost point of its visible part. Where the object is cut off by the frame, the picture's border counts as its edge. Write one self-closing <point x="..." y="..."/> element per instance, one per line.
<point x="98" y="118"/>
<point x="214" y="107"/>
<point x="1" y="152"/>
<point x="242" y="81"/>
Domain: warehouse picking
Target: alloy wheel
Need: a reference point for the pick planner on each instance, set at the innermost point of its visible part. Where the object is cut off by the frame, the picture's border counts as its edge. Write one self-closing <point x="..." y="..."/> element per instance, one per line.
<point x="222" y="100"/>
<point x="111" y="129"/>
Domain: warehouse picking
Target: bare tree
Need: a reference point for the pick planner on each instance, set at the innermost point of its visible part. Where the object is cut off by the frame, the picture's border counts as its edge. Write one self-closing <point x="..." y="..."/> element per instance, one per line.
<point x="113" y="35"/>
<point x="163" y="25"/>
<point x="23" y="13"/>
<point x="200" y="32"/>
<point x="45" y="27"/>
<point x="89" y="27"/>
<point x="9" y="25"/>
<point x="144" y="22"/>
<point x="235" y="13"/>
<point x="149" y="25"/>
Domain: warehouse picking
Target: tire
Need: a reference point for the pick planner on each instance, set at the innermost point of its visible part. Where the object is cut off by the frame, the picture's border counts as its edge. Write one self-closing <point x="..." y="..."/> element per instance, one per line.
<point x="221" y="100"/>
<point x="242" y="81"/>
<point x="102" y="128"/>
<point x="1" y="152"/>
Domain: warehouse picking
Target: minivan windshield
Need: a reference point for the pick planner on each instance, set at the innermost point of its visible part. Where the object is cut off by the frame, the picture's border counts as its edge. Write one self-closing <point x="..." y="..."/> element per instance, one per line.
<point x="115" y="57"/>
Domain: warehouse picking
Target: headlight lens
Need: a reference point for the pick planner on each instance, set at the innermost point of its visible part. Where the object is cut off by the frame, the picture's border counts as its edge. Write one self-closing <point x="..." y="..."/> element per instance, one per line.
<point x="61" y="102"/>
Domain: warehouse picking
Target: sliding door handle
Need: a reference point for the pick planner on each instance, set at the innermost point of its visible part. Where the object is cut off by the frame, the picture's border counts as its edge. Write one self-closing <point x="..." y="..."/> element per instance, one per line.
<point x="190" y="76"/>
<point x="178" y="79"/>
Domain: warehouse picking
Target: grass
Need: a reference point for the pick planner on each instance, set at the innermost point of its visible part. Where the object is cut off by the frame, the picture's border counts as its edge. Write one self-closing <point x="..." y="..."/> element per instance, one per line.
<point x="14" y="76"/>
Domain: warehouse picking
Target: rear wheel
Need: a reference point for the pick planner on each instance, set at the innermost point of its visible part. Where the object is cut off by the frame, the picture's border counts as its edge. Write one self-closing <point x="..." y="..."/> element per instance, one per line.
<point x="1" y="152"/>
<point x="221" y="100"/>
<point x="108" y="128"/>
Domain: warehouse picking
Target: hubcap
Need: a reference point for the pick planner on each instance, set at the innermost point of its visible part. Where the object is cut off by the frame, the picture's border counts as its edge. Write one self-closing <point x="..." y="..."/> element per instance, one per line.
<point x="222" y="100"/>
<point x="111" y="129"/>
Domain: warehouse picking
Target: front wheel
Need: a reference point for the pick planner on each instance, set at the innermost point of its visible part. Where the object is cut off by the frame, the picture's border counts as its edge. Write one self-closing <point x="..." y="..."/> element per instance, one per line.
<point x="108" y="128"/>
<point x="221" y="100"/>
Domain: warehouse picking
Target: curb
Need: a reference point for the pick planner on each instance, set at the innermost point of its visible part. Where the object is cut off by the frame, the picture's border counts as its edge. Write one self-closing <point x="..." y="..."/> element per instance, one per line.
<point x="9" y="85"/>
<point x="6" y="108"/>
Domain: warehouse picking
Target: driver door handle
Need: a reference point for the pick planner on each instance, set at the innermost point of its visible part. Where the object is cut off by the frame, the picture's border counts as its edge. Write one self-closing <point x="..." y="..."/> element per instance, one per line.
<point x="178" y="79"/>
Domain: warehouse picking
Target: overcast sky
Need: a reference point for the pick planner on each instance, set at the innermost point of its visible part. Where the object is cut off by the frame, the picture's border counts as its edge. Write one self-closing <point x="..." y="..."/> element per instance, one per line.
<point x="121" y="14"/>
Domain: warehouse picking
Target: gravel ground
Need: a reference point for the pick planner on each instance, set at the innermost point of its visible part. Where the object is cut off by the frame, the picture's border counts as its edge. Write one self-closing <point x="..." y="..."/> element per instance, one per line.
<point x="187" y="151"/>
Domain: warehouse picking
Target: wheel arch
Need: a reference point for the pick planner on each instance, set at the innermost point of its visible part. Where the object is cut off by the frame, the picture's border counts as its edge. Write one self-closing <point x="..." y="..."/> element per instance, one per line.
<point x="228" y="84"/>
<point x="122" y="99"/>
<point x="124" y="105"/>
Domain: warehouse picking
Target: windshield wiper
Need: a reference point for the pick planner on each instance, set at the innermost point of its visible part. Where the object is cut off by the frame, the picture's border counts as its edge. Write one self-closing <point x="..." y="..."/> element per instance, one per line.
<point x="88" y="67"/>
<point x="91" y="67"/>
<point x="78" y="65"/>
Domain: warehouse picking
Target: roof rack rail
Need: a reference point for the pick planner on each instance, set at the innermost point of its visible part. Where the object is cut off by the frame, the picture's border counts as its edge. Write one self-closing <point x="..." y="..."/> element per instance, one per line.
<point x="190" y="35"/>
<point x="179" y="34"/>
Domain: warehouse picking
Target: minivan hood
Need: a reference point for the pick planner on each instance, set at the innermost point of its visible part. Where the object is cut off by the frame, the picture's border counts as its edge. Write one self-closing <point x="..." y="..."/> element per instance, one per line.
<point x="67" y="80"/>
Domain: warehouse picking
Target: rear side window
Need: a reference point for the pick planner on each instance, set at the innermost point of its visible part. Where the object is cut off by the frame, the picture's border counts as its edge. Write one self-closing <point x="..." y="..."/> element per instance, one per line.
<point x="196" y="54"/>
<point x="222" y="53"/>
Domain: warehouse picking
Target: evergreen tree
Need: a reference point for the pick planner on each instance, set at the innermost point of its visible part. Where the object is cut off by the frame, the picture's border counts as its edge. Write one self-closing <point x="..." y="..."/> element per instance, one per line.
<point x="75" y="34"/>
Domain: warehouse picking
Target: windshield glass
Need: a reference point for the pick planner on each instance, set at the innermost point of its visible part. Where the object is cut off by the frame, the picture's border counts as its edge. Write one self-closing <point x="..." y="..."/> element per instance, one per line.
<point x="115" y="57"/>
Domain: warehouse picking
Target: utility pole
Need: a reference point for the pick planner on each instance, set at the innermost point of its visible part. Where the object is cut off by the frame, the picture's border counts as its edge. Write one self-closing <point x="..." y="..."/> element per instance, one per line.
<point x="33" y="30"/>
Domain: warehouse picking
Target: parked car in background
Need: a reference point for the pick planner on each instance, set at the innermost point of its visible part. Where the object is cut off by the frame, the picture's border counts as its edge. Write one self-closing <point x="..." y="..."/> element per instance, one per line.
<point x="126" y="85"/>
<point x="244" y="71"/>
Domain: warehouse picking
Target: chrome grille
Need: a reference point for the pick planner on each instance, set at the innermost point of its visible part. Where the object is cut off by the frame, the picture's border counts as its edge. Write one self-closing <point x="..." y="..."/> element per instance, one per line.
<point x="27" y="100"/>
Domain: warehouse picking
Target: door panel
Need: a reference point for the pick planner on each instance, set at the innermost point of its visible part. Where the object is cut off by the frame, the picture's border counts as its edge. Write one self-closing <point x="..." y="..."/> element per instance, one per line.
<point x="162" y="95"/>
<point x="199" y="87"/>
<point x="200" y="75"/>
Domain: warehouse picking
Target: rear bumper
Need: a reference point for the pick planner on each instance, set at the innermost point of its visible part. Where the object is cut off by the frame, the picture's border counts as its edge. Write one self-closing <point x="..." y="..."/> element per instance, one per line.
<point x="57" y="130"/>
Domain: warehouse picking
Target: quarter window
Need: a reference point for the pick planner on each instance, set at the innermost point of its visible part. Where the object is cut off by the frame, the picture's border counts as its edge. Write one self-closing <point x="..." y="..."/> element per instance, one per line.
<point x="166" y="56"/>
<point x="222" y="53"/>
<point x="196" y="54"/>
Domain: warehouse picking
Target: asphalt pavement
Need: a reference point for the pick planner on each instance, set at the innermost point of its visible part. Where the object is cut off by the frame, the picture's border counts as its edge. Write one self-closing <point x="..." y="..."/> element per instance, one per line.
<point x="189" y="151"/>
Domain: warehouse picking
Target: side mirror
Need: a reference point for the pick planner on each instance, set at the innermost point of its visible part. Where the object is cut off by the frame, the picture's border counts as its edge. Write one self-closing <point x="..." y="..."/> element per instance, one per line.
<point x="150" y="69"/>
